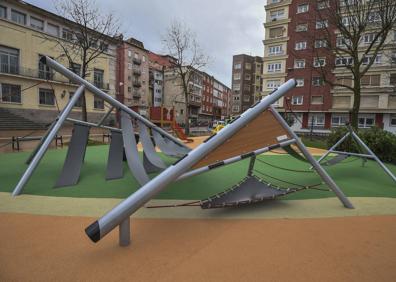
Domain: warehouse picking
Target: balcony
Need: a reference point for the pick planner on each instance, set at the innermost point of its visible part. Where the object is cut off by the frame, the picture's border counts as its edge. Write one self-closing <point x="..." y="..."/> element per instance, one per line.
<point x="137" y="72"/>
<point x="137" y="61"/>
<point x="136" y="95"/>
<point x="137" y="84"/>
<point x="194" y="104"/>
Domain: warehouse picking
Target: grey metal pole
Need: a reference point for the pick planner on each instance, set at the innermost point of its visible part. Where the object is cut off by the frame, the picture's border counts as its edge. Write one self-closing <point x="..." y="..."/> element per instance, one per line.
<point x="361" y="143"/>
<point x="102" y="120"/>
<point x="90" y="124"/>
<point x="125" y="233"/>
<point x="126" y="208"/>
<point x="77" y="79"/>
<point x="353" y="154"/>
<point x="40" y="153"/>
<point x="251" y="165"/>
<point x="322" y="173"/>
<point x="334" y="146"/>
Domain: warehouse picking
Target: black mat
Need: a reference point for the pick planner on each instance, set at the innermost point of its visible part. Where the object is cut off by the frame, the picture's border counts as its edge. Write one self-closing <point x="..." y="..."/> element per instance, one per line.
<point x="250" y="190"/>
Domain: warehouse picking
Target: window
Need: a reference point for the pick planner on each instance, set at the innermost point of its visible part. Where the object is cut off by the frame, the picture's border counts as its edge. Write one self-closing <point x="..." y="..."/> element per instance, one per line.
<point x="246" y="87"/>
<point x="321" y="43"/>
<point x="317" y="81"/>
<point x="247" y="77"/>
<point x="369" y="38"/>
<point x="366" y="59"/>
<point x="248" y="66"/>
<point x="18" y="17"/>
<point x="300" y="82"/>
<point x="276" y="32"/>
<point x="76" y="68"/>
<point x="319" y="62"/>
<point x="98" y="78"/>
<point x="343" y="61"/>
<point x="366" y="121"/>
<point x="301" y="45"/>
<point x="317" y="100"/>
<point x="236" y="108"/>
<point x="275" y="50"/>
<point x="10" y="93"/>
<point x="79" y="102"/>
<point x="44" y="71"/>
<point x="301" y="27"/>
<point x="9" y="60"/>
<point x="299" y="64"/>
<point x="374" y="17"/>
<point x="392" y="80"/>
<point x="273" y="84"/>
<point x="3" y="12"/>
<point x="297" y="100"/>
<point x="36" y="23"/>
<point x="236" y="98"/>
<point x="67" y="34"/>
<point x="392" y="121"/>
<point x="246" y="98"/>
<point x="371" y="80"/>
<point x="98" y="103"/>
<point x="104" y="46"/>
<point x="302" y="8"/>
<point x="275" y="67"/>
<point x="53" y="29"/>
<point x="322" y="24"/>
<point x="238" y="66"/>
<point x="343" y="42"/>
<point x="237" y="76"/>
<point x="143" y="59"/>
<point x="316" y="120"/>
<point x="323" y="5"/>
<point x="339" y="120"/>
<point x="236" y="87"/>
<point x="278" y="14"/>
<point x="345" y="80"/>
<point x="46" y="97"/>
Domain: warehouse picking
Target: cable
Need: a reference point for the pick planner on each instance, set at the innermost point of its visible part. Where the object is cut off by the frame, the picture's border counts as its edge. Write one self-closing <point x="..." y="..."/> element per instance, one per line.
<point x="283" y="168"/>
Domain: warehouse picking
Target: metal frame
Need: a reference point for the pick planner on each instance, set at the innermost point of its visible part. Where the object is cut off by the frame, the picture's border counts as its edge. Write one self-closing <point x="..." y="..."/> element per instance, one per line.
<point x="369" y="154"/>
<point x="115" y="217"/>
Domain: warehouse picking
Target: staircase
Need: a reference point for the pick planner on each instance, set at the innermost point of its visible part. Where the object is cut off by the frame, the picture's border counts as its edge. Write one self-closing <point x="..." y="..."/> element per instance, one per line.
<point x="10" y="121"/>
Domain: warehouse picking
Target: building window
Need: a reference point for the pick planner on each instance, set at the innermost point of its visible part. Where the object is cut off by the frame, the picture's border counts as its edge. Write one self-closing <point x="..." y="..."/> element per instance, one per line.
<point x="303" y="8"/>
<point x="248" y="77"/>
<point x="104" y="46"/>
<point x="317" y="81"/>
<point x="3" y="12"/>
<point x="98" y="103"/>
<point x="342" y="42"/>
<point x="44" y="71"/>
<point x="275" y="50"/>
<point x="344" y="80"/>
<point x="323" y="5"/>
<point x="273" y="84"/>
<point x="276" y="32"/>
<point x="246" y="87"/>
<point x="366" y="59"/>
<point x="236" y="87"/>
<point x="98" y="78"/>
<point x="246" y="98"/>
<point x="321" y="43"/>
<point x="36" y="23"/>
<point x="238" y="66"/>
<point x="338" y="120"/>
<point x="301" y="45"/>
<point x="46" y="97"/>
<point x="248" y="66"/>
<point x="392" y="79"/>
<point x="67" y="34"/>
<point x="368" y="38"/>
<point x="317" y="100"/>
<point x="319" y="62"/>
<point x="9" y="60"/>
<point x="53" y="29"/>
<point x="236" y="108"/>
<point x="300" y="82"/>
<point x="316" y="120"/>
<point x="366" y="121"/>
<point x="275" y="67"/>
<point x="10" y="93"/>
<point x="392" y="121"/>
<point x="79" y="102"/>
<point x="18" y="17"/>
<point x="76" y="68"/>
<point x="237" y="76"/>
<point x="301" y="27"/>
<point x="299" y="64"/>
<point x="371" y="80"/>
<point x="277" y="15"/>
<point x="297" y="100"/>
<point x="344" y="61"/>
<point x="322" y="24"/>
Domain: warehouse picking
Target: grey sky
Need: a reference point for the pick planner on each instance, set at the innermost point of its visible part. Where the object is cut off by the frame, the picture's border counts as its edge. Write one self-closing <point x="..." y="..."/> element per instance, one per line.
<point x="223" y="27"/>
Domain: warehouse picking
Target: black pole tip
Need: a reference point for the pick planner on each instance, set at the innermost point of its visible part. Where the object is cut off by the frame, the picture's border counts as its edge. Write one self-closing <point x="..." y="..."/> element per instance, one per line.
<point x="43" y="60"/>
<point x="93" y="232"/>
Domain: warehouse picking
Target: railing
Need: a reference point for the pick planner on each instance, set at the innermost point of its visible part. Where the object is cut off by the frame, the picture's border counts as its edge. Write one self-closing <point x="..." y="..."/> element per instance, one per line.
<point x="137" y="72"/>
<point x="137" y="61"/>
<point x="136" y="94"/>
<point x="137" y="84"/>
<point x="33" y="73"/>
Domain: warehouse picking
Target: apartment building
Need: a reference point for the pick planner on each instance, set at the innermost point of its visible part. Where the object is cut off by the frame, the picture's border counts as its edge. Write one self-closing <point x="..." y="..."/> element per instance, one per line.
<point x="133" y="76"/>
<point x="247" y="82"/>
<point x="29" y="88"/>
<point x="295" y="47"/>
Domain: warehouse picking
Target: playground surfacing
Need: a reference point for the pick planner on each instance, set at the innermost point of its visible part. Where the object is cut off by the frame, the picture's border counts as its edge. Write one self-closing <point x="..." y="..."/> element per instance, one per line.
<point x="170" y="248"/>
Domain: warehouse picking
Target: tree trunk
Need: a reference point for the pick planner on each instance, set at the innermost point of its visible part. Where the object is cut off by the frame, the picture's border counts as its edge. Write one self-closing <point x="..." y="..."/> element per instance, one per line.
<point x="84" y="101"/>
<point x="356" y="103"/>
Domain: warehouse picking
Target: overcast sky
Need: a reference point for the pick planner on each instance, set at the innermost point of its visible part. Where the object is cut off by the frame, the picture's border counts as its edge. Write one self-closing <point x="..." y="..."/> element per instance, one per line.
<point x="224" y="27"/>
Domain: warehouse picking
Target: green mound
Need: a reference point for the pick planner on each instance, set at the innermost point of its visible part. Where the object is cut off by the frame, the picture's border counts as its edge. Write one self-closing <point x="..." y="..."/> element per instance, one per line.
<point x="353" y="179"/>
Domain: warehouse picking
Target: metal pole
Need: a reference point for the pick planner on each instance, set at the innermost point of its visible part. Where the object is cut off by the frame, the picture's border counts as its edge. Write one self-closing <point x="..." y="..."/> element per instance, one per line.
<point x="126" y="208"/>
<point x="353" y="154"/>
<point x="77" y="79"/>
<point x="319" y="169"/>
<point x="125" y="233"/>
<point x="334" y="146"/>
<point x="102" y="120"/>
<point x="251" y="165"/>
<point x="40" y="153"/>
<point x="361" y="143"/>
<point x="90" y="124"/>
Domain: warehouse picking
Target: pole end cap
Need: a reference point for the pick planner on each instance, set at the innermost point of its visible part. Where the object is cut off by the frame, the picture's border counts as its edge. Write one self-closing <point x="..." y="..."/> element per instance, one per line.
<point x="93" y="232"/>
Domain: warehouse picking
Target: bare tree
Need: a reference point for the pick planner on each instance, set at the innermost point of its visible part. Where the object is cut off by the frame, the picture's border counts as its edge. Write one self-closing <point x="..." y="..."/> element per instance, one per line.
<point x="345" y="25"/>
<point x="181" y="43"/>
<point x="87" y="36"/>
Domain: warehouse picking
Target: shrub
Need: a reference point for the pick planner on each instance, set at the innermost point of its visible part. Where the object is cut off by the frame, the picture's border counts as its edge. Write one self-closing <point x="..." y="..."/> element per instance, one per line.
<point x="381" y="142"/>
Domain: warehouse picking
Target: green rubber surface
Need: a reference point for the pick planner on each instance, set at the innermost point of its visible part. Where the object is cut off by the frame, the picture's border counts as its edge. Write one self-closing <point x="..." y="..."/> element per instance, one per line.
<point x="352" y="178"/>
